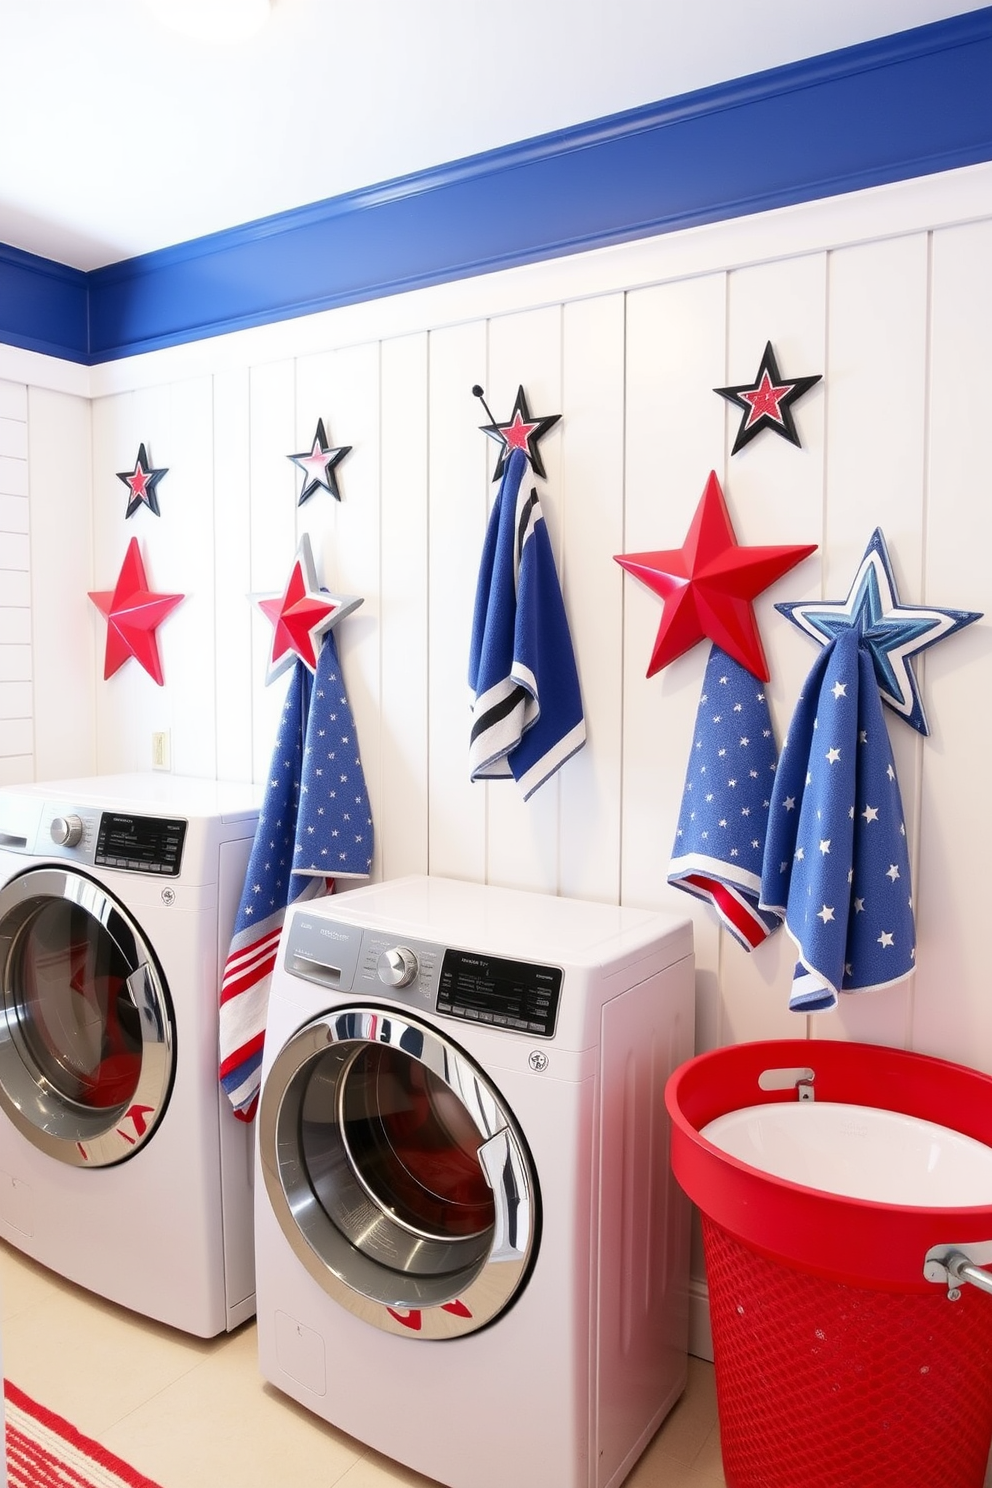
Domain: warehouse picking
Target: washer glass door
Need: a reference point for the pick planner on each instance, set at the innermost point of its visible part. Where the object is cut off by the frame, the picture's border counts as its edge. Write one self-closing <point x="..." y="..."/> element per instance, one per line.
<point x="86" y="1035"/>
<point x="397" y="1174"/>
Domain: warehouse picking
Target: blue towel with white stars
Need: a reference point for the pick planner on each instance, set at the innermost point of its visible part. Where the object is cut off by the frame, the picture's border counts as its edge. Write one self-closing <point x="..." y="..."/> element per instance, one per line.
<point x="315" y="826"/>
<point x="334" y="820"/>
<point x="720" y="839"/>
<point x="837" y="859"/>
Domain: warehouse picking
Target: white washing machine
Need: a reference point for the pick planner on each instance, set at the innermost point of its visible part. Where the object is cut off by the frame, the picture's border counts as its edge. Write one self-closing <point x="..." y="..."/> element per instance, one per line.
<point x="471" y="1254"/>
<point x="122" y="1166"/>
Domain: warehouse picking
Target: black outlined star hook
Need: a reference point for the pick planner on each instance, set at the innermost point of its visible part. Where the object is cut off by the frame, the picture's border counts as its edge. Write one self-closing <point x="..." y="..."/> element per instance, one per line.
<point x="141" y="483"/>
<point x="522" y="432"/>
<point x="767" y="401"/>
<point x="318" y="465"/>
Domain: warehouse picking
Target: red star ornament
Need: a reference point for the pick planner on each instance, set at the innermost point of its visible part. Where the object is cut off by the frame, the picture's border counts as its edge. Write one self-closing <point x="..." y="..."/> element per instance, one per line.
<point x="133" y="614"/>
<point x="302" y="615"/>
<point x="708" y="584"/>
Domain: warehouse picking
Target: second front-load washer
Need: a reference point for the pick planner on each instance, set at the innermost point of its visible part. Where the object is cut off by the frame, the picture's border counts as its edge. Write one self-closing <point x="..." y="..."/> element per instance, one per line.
<point x="122" y="1166"/>
<point x="470" y="1252"/>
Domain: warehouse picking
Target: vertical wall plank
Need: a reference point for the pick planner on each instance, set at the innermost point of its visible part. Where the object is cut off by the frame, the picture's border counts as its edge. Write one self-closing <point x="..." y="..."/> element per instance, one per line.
<point x="460" y="464"/>
<point x="272" y="507"/>
<point x="130" y="704"/>
<point x="591" y="527"/>
<point x="62" y="633"/>
<point x="18" y="709"/>
<point x="674" y="437"/>
<point x="235" y="681"/>
<point x="775" y="493"/>
<point x="403" y="784"/>
<point x="346" y="534"/>
<point x="952" y="1011"/>
<point x="876" y="423"/>
<point x="525" y="349"/>
<point x="185" y="560"/>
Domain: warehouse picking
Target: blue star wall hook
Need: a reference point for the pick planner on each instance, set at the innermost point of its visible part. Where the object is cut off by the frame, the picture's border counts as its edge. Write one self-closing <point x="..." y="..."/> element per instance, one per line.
<point x="318" y="465"/>
<point x="891" y="632"/>
<point x="521" y="432"/>
<point x="766" y="403"/>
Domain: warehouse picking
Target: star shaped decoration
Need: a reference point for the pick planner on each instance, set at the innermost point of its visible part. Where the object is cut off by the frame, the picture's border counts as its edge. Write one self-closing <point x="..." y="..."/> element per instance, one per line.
<point x="301" y="615"/>
<point x="141" y="482"/>
<point x="892" y="633"/>
<point x="708" y="584"/>
<point x="767" y="401"/>
<point x="523" y="432"/>
<point x="318" y="465"/>
<point x="133" y="614"/>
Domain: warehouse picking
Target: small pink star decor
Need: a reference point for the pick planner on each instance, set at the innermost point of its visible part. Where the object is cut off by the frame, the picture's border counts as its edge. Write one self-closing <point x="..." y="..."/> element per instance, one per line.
<point x="133" y="613"/>
<point x="319" y="465"/>
<point x="767" y="402"/>
<point x="707" y="586"/>
<point x="301" y="615"/>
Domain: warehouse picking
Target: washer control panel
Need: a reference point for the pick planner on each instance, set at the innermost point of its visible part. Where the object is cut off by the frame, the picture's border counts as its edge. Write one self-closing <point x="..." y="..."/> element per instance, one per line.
<point x="109" y="839"/>
<point x="509" y="994"/>
<point x="520" y="996"/>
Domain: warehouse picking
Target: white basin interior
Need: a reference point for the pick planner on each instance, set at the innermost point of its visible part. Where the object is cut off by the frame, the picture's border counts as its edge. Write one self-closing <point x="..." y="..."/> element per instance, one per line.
<point x="859" y="1151"/>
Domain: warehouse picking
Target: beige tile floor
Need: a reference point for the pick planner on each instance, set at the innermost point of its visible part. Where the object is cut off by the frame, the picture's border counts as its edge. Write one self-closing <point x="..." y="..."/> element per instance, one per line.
<point x="195" y="1414"/>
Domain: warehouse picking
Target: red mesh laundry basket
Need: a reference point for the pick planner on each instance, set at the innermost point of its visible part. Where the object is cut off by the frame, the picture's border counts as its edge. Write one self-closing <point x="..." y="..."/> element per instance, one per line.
<point x="837" y="1362"/>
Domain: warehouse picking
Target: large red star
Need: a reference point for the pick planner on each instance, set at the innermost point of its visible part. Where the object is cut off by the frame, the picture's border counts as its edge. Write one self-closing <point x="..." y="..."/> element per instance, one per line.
<point x="708" y="584"/>
<point x="133" y="614"/>
<point x="302" y="615"/>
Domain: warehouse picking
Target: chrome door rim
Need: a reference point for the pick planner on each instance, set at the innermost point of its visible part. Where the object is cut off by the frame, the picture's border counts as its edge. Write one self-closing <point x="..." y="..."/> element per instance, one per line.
<point x="398" y="1280"/>
<point x="79" y="1135"/>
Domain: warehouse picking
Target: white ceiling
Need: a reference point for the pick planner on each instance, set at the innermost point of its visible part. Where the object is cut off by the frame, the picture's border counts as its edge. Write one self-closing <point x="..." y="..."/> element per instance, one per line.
<point x="117" y="136"/>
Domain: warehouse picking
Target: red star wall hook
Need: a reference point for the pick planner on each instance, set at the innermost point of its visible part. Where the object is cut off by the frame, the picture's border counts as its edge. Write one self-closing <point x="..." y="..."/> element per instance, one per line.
<point x="133" y="614"/>
<point x="319" y="465"/>
<point x="301" y="615"/>
<point x="522" y="432"/>
<point x="766" y="403"/>
<point x="141" y="483"/>
<point x="708" y="584"/>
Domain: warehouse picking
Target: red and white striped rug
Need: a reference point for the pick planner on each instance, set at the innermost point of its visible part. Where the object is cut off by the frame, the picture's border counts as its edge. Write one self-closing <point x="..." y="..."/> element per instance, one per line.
<point x="45" y="1451"/>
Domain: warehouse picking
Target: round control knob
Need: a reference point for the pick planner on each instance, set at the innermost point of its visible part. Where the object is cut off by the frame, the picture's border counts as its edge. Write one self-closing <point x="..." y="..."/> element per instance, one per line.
<point x="397" y="967"/>
<point x="67" y="830"/>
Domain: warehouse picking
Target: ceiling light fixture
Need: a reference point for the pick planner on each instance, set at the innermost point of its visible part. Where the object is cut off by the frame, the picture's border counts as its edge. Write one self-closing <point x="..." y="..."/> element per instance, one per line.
<point x="212" y="20"/>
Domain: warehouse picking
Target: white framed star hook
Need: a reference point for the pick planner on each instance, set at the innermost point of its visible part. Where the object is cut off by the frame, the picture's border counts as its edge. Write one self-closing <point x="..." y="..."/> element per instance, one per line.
<point x="301" y="615"/>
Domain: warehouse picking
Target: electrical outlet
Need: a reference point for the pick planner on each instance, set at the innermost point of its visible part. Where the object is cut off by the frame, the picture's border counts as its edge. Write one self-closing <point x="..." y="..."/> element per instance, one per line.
<point x="161" y="751"/>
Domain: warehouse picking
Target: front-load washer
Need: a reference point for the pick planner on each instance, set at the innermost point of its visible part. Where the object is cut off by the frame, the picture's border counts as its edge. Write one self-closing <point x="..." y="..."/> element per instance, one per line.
<point x="122" y="1166"/>
<point x="470" y="1252"/>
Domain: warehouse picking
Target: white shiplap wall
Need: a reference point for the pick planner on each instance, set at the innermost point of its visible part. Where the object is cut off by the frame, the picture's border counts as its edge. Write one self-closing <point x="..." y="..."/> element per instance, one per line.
<point x="887" y="293"/>
<point x="16" y="703"/>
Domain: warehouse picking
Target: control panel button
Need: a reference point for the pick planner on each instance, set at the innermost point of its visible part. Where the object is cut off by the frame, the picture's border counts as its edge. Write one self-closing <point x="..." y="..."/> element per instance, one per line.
<point x="67" y="830"/>
<point x="397" y="967"/>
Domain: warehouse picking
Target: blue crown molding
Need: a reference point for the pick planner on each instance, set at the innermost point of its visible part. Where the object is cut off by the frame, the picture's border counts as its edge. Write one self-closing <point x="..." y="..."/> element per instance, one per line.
<point x="905" y="105"/>
<point x="44" y="306"/>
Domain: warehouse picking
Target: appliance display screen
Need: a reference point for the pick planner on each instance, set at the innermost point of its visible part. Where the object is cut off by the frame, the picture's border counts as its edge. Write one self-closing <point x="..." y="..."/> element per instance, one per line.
<point x="509" y="994"/>
<point x="142" y="844"/>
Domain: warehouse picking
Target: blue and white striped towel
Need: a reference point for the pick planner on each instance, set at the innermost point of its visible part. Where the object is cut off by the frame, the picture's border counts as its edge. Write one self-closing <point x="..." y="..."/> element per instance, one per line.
<point x="527" y="706"/>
